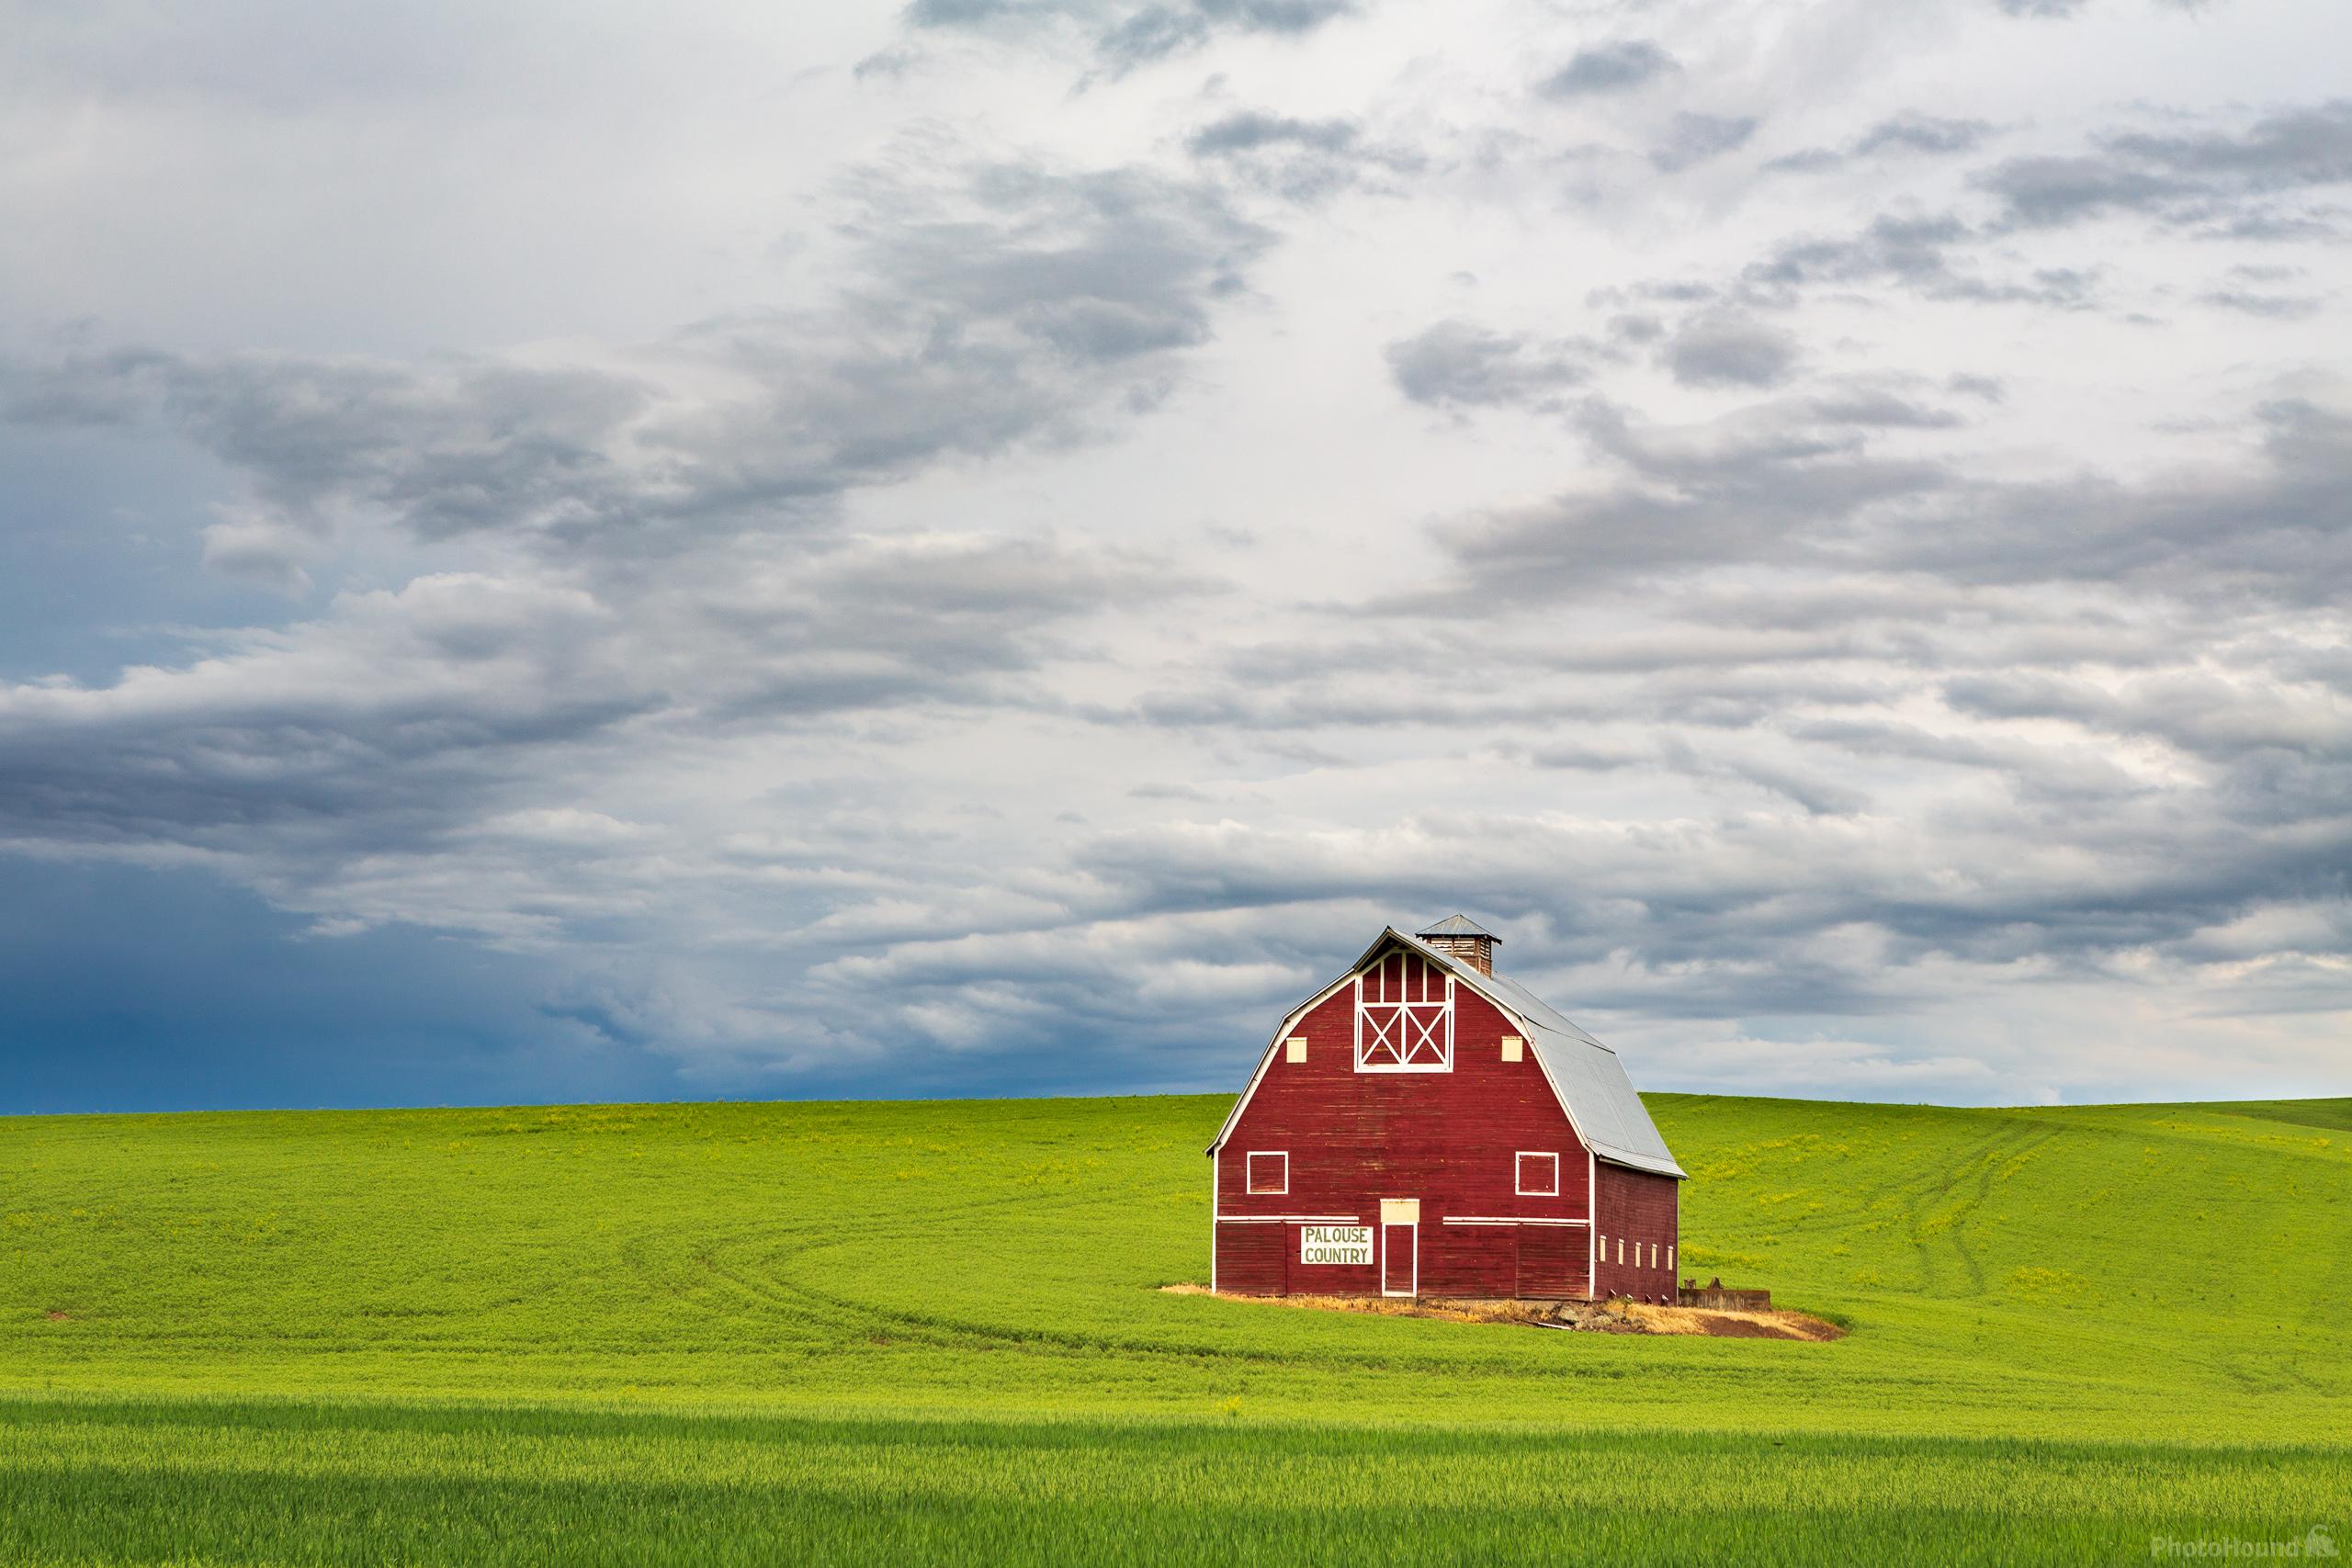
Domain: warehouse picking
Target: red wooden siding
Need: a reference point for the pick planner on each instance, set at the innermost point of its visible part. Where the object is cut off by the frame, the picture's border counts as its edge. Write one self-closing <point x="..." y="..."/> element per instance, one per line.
<point x="1550" y="1261"/>
<point x="1642" y="1210"/>
<point x="1402" y="976"/>
<point x="1250" y="1258"/>
<point x="1470" y="1260"/>
<point x="1448" y="1139"/>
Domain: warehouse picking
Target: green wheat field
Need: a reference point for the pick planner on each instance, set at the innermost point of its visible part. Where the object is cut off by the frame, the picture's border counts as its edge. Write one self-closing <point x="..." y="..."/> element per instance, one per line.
<point x="935" y="1332"/>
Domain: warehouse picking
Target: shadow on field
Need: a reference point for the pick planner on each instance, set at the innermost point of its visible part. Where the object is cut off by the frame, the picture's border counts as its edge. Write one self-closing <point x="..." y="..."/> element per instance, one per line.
<point x="237" y="1483"/>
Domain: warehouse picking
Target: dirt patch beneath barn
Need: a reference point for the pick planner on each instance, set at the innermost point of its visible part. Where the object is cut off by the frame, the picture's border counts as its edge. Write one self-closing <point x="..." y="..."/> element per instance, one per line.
<point x="1589" y="1317"/>
<point x="1733" y="1324"/>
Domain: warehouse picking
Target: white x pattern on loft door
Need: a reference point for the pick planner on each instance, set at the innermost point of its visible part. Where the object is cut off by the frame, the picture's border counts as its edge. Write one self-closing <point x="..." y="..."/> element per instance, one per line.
<point x="1404" y="1017"/>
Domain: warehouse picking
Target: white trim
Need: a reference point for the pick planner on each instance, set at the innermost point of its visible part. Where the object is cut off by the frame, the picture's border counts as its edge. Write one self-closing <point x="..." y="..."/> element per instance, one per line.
<point x="1267" y="1059"/>
<point x="1386" y="1226"/>
<point x="1592" y="1212"/>
<point x="1250" y="1188"/>
<point x="1413" y="1026"/>
<point x="1503" y="1219"/>
<point x="1355" y="977"/>
<point x="1355" y="971"/>
<point x="1558" y="1098"/>
<point x="1290" y="1219"/>
<point x="1216" y="1196"/>
<point x="1453" y="968"/>
<point x="1527" y="1032"/>
<point x="1471" y="978"/>
<point x="1518" y="1173"/>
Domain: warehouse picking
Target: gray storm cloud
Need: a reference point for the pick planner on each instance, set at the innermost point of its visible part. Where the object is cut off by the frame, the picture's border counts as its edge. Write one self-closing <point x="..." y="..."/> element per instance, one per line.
<point x="983" y="545"/>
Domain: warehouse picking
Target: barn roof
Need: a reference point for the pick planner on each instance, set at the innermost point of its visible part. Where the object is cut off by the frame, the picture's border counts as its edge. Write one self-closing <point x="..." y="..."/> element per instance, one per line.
<point x="1460" y="925"/>
<point x="1587" y="1076"/>
<point x="1610" y="1117"/>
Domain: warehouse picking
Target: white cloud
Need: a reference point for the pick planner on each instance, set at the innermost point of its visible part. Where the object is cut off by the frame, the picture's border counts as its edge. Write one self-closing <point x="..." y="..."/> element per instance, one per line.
<point x="1830" y="535"/>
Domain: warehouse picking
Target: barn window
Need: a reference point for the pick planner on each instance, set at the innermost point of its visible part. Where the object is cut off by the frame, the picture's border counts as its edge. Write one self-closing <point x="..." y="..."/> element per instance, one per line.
<point x="1669" y="1255"/>
<point x="1653" y="1255"/>
<point x="1514" y="1048"/>
<point x="1294" y="1048"/>
<point x="1539" y="1175"/>
<point x="1404" y="1016"/>
<point x="1270" y="1172"/>
<point x="1620" y="1250"/>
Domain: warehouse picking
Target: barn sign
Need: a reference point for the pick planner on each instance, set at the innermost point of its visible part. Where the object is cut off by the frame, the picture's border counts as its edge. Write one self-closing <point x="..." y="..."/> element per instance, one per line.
<point x="1335" y="1244"/>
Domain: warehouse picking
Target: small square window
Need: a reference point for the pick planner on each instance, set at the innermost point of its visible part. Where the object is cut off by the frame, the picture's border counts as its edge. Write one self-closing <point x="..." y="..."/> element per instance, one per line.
<point x="1514" y="1048"/>
<point x="1294" y="1048"/>
<point x="1539" y="1176"/>
<point x="1270" y="1173"/>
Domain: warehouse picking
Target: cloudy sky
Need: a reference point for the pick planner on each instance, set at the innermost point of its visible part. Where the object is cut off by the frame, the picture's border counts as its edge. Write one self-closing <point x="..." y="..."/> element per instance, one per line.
<point x="568" y="551"/>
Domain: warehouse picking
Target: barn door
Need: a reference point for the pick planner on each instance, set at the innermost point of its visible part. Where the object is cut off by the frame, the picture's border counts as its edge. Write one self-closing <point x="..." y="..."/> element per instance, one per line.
<point x="1400" y="1246"/>
<point x="1550" y="1261"/>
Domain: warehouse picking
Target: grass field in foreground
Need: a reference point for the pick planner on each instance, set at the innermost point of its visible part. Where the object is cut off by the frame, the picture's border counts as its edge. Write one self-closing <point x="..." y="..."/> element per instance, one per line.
<point x="933" y="1330"/>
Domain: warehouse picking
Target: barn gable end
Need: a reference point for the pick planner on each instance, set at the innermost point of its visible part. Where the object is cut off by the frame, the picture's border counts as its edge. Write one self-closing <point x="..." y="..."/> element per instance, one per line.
<point x="1587" y="1077"/>
<point x="1424" y="1126"/>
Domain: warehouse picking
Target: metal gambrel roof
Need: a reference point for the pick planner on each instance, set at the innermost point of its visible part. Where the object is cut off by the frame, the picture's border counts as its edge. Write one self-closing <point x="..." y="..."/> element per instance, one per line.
<point x="1586" y="1075"/>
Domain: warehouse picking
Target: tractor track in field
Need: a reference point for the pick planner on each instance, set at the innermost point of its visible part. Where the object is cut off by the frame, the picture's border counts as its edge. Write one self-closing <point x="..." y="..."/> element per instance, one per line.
<point x="1983" y="1160"/>
<point x="778" y="1284"/>
<point x="2324" y="1307"/>
<point x="851" y="1315"/>
<point x="1905" y="1202"/>
<point x="775" y="1288"/>
<point x="958" y="1264"/>
<point x="2020" y="1149"/>
<point x="1914" y="1198"/>
<point x="812" y="1312"/>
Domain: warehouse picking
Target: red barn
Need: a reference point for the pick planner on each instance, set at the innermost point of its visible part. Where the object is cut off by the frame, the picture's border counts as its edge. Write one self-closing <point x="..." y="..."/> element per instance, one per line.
<point x="1424" y="1127"/>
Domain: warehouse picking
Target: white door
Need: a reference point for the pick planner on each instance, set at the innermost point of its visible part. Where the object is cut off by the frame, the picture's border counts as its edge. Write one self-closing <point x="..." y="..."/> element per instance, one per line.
<point x="1400" y="1246"/>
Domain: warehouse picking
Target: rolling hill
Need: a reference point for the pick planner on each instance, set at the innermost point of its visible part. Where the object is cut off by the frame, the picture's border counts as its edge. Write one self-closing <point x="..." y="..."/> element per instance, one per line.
<point x="738" y="1332"/>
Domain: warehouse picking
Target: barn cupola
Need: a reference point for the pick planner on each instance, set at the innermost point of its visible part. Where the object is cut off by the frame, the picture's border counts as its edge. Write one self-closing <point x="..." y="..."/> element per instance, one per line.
<point x="1459" y="936"/>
